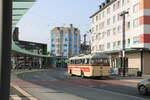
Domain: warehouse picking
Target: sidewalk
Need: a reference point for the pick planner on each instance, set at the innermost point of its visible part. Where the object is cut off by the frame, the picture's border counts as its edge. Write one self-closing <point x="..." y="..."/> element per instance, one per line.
<point x="16" y="93"/>
<point x="130" y="78"/>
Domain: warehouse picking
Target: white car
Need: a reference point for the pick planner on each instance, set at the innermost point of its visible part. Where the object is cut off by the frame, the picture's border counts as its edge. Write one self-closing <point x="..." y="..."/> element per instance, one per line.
<point x="144" y="86"/>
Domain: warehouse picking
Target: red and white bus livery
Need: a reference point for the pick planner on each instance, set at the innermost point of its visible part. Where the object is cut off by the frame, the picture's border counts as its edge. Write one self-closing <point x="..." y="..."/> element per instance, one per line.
<point x="91" y="65"/>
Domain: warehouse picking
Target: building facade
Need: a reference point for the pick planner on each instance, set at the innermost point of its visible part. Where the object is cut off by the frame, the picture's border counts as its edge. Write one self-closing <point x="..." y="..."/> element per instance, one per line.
<point x="106" y="27"/>
<point x="65" y="41"/>
<point x="34" y="47"/>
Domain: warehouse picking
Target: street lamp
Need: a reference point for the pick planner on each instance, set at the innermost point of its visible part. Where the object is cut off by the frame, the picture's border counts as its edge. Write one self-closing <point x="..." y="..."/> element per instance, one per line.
<point x="123" y="14"/>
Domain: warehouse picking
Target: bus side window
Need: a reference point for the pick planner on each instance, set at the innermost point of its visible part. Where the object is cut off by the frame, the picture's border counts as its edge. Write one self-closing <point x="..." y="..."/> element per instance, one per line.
<point x="106" y="62"/>
<point x="83" y="61"/>
<point x="87" y="61"/>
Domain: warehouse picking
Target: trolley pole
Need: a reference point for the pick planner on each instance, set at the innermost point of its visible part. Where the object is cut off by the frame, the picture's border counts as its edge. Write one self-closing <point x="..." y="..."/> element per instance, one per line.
<point x="123" y="42"/>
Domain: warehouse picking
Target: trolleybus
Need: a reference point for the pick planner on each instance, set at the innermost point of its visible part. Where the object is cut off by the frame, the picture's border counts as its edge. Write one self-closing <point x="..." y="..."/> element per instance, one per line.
<point x="91" y="65"/>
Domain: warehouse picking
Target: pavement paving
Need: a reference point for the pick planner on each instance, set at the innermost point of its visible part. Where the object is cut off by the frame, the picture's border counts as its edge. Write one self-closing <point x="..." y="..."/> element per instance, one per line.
<point x="55" y="84"/>
<point x="16" y="95"/>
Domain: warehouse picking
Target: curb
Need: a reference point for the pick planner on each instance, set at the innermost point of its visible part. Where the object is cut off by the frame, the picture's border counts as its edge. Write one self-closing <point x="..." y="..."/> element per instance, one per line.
<point x="15" y="97"/>
<point x="29" y="96"/>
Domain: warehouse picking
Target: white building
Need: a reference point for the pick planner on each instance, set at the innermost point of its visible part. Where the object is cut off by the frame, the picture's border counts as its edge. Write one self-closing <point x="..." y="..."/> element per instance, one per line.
<point x="106" y="27"/>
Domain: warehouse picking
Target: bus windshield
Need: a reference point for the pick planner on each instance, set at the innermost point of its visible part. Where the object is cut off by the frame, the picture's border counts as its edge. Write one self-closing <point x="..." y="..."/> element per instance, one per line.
<point x="100" y="61"/>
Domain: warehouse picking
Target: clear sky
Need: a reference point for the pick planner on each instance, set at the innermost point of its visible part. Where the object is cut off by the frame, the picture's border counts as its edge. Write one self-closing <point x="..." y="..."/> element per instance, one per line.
<point x="46" y="14"/>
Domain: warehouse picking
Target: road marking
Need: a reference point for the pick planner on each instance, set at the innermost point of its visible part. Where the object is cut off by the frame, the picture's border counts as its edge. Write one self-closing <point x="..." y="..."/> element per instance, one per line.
<point x="15" y="97"/>
<point x="29" y="96"/>
<point x="116" y="93"/>
<point x="124" y="95"/>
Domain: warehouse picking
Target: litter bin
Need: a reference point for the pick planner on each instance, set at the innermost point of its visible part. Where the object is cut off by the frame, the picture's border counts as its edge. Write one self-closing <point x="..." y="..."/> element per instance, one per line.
<point x="139" y="74"/>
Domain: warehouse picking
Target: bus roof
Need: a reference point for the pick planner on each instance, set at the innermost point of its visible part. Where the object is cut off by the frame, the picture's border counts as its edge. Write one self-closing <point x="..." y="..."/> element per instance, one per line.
<point x="90" y="56"/>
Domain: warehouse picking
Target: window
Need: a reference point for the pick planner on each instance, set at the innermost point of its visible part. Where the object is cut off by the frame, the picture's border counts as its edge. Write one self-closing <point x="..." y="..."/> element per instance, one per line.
<point x="119" y="29"/>
<point x="66" y="39"/>
<point x="52" y="40"/>
<point x="118" y="4"/>
<point x="102" y="25"/>
<point x="114" y="31"/>
<point x="108" y="32"/>
<point x="136" y="39"/>
<point x="101" y="47"/>
<point x="136" y="8"/>
<point x="128" y="15"/>
<point x="103" y="14"/>
<point x="108" y="21"/>
<point x="92" y="38"/>
<point x="108" y="10"/>
<point x="65" y="50"/>
<point x="97" y="18"/>
<point x="96" y="27"/>
<point x="114" y="7"/>
<point x="99" y="36"/>
<point x="114" y="19"/>
<point x="114" y="44"/>
<point x="128" y="25"/>
<point x="65" y="45"/>
<point x="136" y="22"/>
<point x="87" y="61"/>
<point x="53" y="45"/>
<point x="118" y="43"/>
<point x="108" y="45"/>
<point x="53" y="51"/>
<point x="92" y="29"/>
<point x="128" y="42"/>
<point x="103" y="34"/>
<point x="93" y="20"/>
<point x="123" y="2"/>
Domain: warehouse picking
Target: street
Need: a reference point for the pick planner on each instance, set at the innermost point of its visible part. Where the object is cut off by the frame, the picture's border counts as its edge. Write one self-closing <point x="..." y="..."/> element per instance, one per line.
<point x="56" y="84"/>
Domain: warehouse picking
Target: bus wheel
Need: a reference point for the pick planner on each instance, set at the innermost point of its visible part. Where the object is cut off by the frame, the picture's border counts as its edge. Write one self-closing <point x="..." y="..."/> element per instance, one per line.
<point x="70" y="72"/>
<point x="82" y="74"/>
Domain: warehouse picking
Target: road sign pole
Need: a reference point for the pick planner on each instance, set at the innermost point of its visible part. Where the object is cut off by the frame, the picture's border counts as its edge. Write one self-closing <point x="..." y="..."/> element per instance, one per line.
<point x="123" y="41"/>
<point x="5" y="47"/>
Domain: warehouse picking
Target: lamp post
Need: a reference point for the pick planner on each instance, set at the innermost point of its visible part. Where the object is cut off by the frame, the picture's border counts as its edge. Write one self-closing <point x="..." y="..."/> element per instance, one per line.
<point x="123" y="14"/>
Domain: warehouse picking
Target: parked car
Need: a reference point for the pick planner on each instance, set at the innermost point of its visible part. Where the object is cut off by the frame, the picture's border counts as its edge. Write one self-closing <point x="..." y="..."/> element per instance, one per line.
<point x="144" y="86"/>
<point x="24" y="66"/>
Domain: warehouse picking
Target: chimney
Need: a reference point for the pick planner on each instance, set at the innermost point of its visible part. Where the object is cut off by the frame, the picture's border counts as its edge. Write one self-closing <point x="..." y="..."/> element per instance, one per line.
<point x="16" y="34"/>
<point x="100" y="6"/>
<point x="103" y="4"/>
<point x="107" y="1"/>
<point x="71" y="25"/>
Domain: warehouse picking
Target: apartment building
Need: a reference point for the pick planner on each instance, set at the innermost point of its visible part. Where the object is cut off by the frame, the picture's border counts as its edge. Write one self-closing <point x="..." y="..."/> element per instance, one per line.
<point x="106" y="27"/>
<point x="65" y="41"/>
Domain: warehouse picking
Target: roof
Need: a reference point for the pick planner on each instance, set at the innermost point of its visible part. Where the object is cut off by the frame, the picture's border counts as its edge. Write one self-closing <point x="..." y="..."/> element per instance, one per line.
<point x="20" y="7"/>
<point x="103" y="8"/>
<point x="30" y="42"/>
<point x="116" y="51"/>
<point x="17" y="49"/>
<point x="90" y="56"/>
